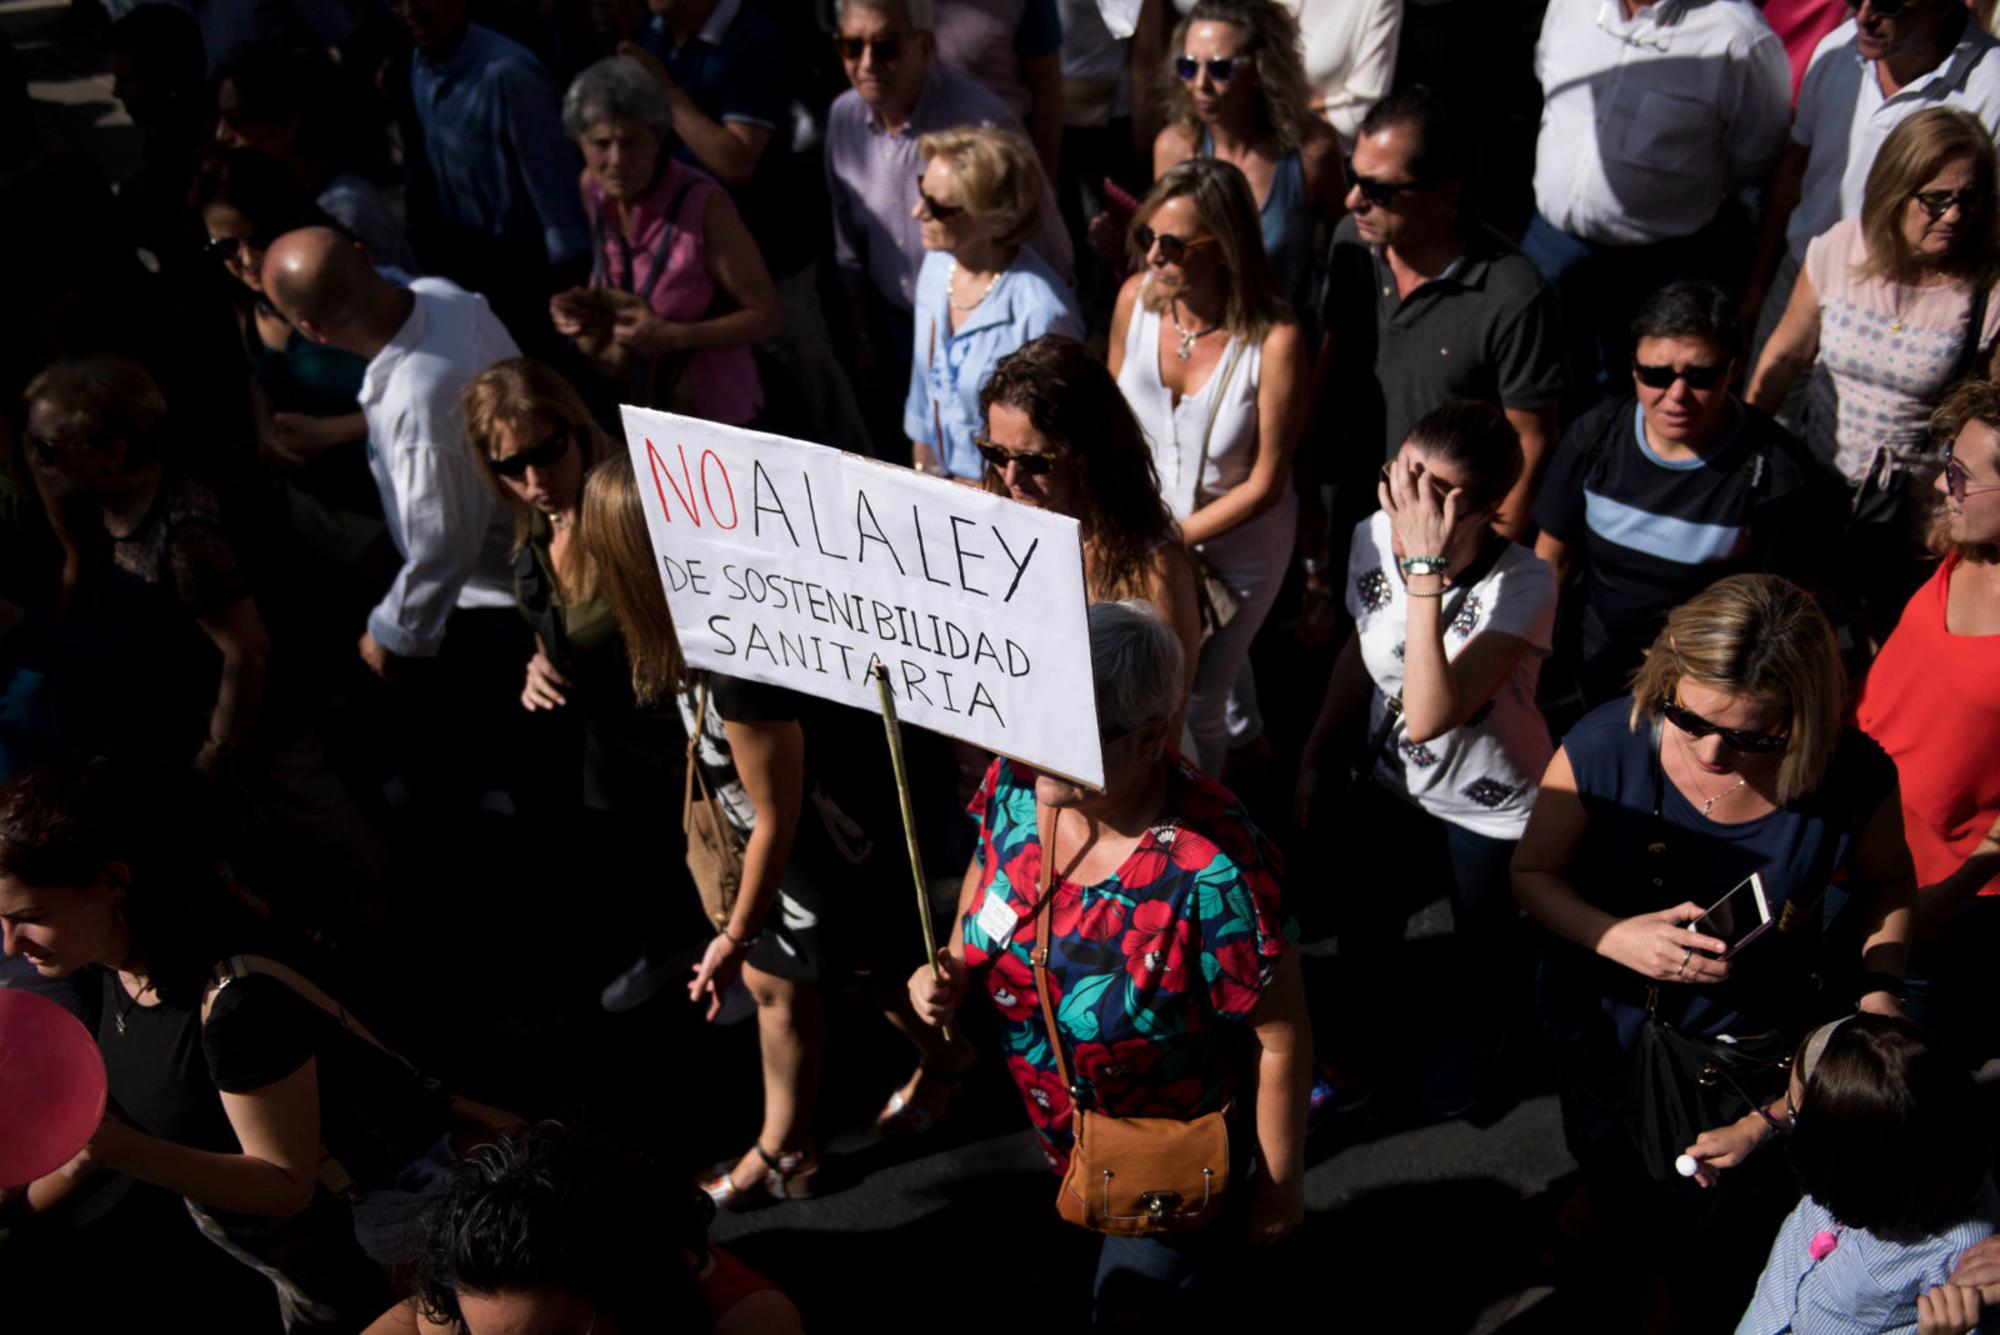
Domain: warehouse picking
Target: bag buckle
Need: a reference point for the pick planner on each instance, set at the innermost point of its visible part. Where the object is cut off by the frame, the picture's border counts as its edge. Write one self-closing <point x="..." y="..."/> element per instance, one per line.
<point x="1159" y="1204"/>
<point x="1709" y="1077"/>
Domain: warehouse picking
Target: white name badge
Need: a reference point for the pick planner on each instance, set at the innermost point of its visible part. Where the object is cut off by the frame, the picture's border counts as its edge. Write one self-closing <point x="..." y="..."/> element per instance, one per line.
<point x="996" y="919"/>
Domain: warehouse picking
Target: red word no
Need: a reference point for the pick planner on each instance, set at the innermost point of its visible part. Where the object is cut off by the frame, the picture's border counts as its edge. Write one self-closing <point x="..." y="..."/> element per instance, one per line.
<point x="684" y="489"/>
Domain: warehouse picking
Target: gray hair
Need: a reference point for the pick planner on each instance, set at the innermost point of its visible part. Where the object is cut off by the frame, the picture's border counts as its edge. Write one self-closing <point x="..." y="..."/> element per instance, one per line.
<point x="1137" y="663"/>
<point x="920" y="15"/>
<point x="616" y="88"/>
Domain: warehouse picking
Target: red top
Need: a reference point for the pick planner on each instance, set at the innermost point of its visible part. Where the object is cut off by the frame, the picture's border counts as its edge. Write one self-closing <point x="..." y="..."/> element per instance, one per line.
<point x="1933" y="702"/>
<point x="1800" y="24"/>
<point x="729" y="1282"/>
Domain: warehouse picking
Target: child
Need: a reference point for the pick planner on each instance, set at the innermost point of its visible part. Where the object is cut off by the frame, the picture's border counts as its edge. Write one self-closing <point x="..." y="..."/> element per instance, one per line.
<point x="1887" y="1141"/>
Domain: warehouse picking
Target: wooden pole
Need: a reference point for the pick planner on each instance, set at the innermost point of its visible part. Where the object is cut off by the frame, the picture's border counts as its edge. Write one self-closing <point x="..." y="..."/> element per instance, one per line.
<point x="895" y="731"/>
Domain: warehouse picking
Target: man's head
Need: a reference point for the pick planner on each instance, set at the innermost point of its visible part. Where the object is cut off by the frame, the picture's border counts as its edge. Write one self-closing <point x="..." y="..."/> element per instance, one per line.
<point x="1408" y="171"/>
<point x="886" y="46"/>
<point x="1886" y="29"/>
<point x="321" y="282"/>
<point x="159" y="68"/>
<point x="432" y="24"/>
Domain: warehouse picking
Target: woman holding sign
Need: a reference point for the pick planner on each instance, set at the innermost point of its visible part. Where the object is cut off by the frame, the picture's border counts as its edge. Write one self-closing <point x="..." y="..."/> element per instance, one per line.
<point x="981" y="293"/>
<point x="1730" y="758"/>
<point x="805" y="915"/>
<point x="1060" y="437"/>
<point x="1209" y="356"/>
<point x="1172" y="988"/>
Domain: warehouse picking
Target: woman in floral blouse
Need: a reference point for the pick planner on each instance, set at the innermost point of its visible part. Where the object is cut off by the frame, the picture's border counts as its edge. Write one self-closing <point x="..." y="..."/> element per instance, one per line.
<point x="1170" y="962"/>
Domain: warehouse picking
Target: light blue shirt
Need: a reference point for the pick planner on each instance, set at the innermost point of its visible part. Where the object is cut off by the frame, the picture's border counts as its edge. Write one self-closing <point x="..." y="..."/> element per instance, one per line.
<point x="493" y="136"/>
<point x="1865" y="1286"/>
<point x="1029" y="300"/>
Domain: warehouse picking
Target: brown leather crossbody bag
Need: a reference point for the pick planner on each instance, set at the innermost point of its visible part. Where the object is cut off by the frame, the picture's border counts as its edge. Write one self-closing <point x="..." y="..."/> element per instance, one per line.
<point x="1134" y="1176"/>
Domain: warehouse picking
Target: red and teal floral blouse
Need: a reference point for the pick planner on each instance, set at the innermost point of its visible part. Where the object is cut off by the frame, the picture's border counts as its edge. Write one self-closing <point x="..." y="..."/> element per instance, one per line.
<point x="1152" y="972"/>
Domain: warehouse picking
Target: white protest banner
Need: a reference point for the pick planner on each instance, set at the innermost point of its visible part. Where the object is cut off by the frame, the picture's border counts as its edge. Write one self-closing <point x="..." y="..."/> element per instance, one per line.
<point x="797" y="565"/>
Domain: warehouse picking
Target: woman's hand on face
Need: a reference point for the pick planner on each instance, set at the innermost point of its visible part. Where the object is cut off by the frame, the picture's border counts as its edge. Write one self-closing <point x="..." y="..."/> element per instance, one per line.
<point x="646" y="334"/>
<point x="1276" y="1208"/>
<point x="935" y="999"/>
<point x="719" y="967"/>
<point x="1948" y="1309"/>
<point x="1661" y="947"/>
<point x="1724" y="1147"/>
<point x="544" y="689"/>
<point x="1422" y="523"/>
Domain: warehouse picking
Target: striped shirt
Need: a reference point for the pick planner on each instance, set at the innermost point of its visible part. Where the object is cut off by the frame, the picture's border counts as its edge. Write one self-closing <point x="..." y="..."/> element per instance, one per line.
<point x="1865" y="1285"/>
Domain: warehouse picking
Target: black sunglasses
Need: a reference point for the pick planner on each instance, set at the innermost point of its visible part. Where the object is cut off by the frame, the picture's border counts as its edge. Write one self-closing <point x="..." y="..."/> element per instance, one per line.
<point x="1663" y="377"/>
<point x="939" y="212"/>
<point x="1697" y="727"/>
<point x="997" y="459"/>
<point x="1378" y="194"/>
<point x="223" y="249"/>
<point x="545" y="455"/>
<point x="886" y="49"/>
<point x="1221" y="69"/>
<point x="1173" y="249"/>
<point x="1937" y="203"/>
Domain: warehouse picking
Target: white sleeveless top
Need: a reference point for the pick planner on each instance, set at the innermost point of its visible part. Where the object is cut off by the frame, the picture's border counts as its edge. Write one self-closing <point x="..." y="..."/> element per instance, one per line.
<point x="1174" y="432"/>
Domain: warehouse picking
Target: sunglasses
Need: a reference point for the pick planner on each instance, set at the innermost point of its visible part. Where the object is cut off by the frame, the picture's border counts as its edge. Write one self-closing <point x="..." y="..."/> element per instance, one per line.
<point x="1663" y="377"/>
<point x="1937" y="203"/>
<point x="1887" y="9"/>
<point x="223" y="249"/>
<point x="1378" y="194"/>
<point x="1220" y="68"/>
<point x="1955" y="483"/>
<point x="1697" y="727"/>
<point x="997" y="459"/>
<point x="938" y="212"/>
<point x="886" y="49"/>
<point x="1173" y="249"/>
<point x="545" y="455"/>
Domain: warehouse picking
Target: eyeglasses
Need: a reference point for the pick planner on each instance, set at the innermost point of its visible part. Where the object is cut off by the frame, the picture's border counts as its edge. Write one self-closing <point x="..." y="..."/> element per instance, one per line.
<point x="1697" y="727"/>
<point x="1937" y="203"/>
<point x="1173" y="249"/>
<point x="997" y="459"/>
<point x="1955" y="483"/>
<point x="938" y="212"/>
<point x="886" y="49"/>
<point x="548" y="454"/>
<point x="223" y="249"/>
<point x="1663" y="377"/>
<point x="1221" y="69"/>
<point x="1377" y="194"/>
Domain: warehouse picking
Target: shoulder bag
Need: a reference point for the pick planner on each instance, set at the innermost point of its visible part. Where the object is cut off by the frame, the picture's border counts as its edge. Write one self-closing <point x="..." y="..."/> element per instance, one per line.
<point x="1217" y="604"/>
<point x="1129" y="1176"/>
<point x="714" y="848"/>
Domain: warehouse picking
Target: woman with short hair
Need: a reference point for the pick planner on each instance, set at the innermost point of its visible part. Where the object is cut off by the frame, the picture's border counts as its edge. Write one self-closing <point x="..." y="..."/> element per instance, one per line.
<point x="678" y="289"/>
<point x="982" y="291"/>
<point x="1211" y="361"/>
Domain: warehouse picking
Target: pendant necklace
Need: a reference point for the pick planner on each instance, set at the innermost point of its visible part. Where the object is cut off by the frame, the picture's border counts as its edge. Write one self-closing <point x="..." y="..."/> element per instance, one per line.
<point x="1708" y="803"/>
<point x="128" y="1001"/>
<point x="951" y="288"/>
<point x="1187" y="336"/>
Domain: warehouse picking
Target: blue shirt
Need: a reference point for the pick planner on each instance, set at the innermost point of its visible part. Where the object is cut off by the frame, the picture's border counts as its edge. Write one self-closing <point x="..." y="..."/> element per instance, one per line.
<point x="1026" y="302"/>
<point x="493" y="136"/>
<point x="733" y="68"/>
<point x="1865" y="1286"/>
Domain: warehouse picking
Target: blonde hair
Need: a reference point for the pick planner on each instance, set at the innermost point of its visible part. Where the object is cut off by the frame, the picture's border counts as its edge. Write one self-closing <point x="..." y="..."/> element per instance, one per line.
<point x="999" y="175"/>
<point x="510" y="395"/>
<point x="1227" y="211"/>
<point x="1762" y="638"/>
<point x="1974" y="400"/>
<point x="1271" y="44"/>
<point x="1915" y="152"/>
<point x="615" y="537"/>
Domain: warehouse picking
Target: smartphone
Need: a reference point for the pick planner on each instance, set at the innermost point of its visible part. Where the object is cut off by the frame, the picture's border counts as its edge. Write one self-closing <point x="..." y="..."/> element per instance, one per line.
<point x="1739" y="917"/>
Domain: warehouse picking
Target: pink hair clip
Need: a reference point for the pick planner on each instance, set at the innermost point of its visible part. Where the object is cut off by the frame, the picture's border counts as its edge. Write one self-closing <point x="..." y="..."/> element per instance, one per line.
<point x="1822" y="1244"/>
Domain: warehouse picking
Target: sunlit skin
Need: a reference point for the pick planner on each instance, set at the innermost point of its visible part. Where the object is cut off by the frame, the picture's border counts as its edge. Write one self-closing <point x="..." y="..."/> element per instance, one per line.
<point x="1213" y="101"/>
<point x="1936" y="239"/>
<point x="1011" y="429"/>
<point x="1714" y="758"/>
<point x="1681" y="417"/>
<point x="1385" y="156"/>
<point x="534" y="1311"/>
<point x="554" y="490"/>
<point x="1442" y="476"/>
<point x="940" y="182"/>
<point x="883" y="84"/>
<point x="622" y="156"/>
<point x="1877" y="37"/>
<point x="1976" y="519"/>
<point x="1200" y="269"/>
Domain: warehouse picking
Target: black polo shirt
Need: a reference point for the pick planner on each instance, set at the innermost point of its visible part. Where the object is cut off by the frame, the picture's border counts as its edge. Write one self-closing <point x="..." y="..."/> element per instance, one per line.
<point x="1485" y="330"/>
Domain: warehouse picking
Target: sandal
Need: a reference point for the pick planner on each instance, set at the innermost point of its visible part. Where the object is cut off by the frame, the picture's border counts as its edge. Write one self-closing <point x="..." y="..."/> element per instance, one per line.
<point x="785" y="1177"/>
<point x="903" y="1117"/>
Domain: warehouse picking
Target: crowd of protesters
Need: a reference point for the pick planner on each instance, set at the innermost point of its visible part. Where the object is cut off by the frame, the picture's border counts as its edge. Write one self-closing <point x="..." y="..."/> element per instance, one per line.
<point x="1660" y="434"/>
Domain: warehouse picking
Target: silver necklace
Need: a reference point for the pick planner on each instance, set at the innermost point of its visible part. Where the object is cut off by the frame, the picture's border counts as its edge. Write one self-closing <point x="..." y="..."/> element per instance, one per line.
<point x="1708" y="803"/>
<point x="1187" y="336"/>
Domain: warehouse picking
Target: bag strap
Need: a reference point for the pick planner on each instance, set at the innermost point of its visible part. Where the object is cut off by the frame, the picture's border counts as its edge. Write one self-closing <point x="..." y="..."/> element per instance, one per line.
<point x="1045" y="895"/>
<point x="697" y="779"/>
<point x="1215" y="410"/>
<point x="937" y="417"/>
<point x="666" y="240"/>
<point x="1975" y="324"/>
<point x="243" y="966"/>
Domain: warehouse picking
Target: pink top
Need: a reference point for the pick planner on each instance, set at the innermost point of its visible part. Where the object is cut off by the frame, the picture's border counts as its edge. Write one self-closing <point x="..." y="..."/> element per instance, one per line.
<point x="726" y="388"/>
<point x="1932" y="701"/>
<point x="1889" y="350"/>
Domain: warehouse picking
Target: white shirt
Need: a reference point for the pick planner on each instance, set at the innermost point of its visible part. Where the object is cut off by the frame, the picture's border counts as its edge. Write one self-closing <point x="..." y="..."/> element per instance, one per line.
<point x="1843" y="119"/>
<point x="1483" y="774"/>
<point x="1350" y="49"/>
<point x="452" y="531"/>
<point x="1649" y="123"/>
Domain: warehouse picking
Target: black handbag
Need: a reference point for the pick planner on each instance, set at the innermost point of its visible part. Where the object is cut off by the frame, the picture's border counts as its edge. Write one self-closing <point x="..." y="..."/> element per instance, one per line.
<point x="1681" y="1086"/>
